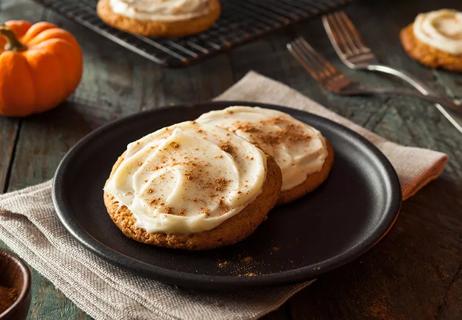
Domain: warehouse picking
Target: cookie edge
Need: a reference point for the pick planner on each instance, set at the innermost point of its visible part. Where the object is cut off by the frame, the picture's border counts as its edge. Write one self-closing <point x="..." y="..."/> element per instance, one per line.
<point x="312" y="181"/>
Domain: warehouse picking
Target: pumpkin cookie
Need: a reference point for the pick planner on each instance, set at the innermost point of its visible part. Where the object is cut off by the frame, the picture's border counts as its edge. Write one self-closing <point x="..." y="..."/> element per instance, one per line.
<point x="191" y="186"/>
<point x="435" y="39"/>
<point x="160" y="18"/>
<point x="303" y="154"/>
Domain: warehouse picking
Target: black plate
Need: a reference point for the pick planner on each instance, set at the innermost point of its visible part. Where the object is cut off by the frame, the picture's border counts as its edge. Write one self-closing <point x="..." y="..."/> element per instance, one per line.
<point x="344" y="218"/>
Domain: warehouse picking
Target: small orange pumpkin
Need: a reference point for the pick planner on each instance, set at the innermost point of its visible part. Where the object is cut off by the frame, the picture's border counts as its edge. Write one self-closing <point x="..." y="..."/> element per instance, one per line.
<point x="40" y="66"/>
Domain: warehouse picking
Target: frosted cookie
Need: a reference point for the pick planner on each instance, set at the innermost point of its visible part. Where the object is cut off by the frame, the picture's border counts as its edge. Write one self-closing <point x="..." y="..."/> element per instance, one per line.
<point x="435" y="39"/>
<point x="160" y="18"/>
<point x="303" y="154"/>
<point x="191" y="186"/>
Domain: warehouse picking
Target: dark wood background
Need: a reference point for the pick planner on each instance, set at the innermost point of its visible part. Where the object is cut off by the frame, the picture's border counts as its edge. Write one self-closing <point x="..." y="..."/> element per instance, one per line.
<point x="415" y="273"/>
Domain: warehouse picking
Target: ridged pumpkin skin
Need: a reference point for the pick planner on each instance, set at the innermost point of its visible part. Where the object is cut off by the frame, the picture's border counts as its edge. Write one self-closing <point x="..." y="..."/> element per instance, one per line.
<point x="40" y="75"/>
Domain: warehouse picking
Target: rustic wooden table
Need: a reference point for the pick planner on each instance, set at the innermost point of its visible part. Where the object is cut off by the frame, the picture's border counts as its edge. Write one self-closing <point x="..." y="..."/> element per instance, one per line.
<point x="415" y="273"/>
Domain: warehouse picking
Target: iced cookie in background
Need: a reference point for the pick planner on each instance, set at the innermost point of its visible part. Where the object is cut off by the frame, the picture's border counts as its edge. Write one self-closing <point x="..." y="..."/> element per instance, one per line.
<point x="160" y="18"/>
<point x="435" y="39"/>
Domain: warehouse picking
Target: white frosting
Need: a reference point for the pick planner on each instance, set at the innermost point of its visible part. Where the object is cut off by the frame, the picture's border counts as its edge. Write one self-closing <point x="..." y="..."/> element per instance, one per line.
<point x="298" y="148"/>
<point x="441" y="29"/>
<point x="160" y="10"/>
<point x="187" y="178"/>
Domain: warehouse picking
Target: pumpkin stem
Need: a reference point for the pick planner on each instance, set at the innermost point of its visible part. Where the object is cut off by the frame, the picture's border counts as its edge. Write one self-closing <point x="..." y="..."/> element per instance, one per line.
<point x="13" y="43"/>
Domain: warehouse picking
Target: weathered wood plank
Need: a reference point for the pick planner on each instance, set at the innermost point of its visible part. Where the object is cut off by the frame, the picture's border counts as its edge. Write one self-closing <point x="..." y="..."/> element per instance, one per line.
<point x="9" y="127"/>
<point x="415" y="272"/>
<point x="383" y="116"/>
<point x="112" y="80"/>
<point x="51" y="302"/>
<point x="109" y="89"/>
<point x="45" y="139"/>
<point x="164" y="87"/>
<point x="406" y="277"/>
<point x="8" y="134"/>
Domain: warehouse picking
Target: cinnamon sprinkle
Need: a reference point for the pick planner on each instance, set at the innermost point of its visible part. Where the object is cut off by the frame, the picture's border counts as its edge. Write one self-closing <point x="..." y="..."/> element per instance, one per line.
<point x="221" y="184"/>
<point x="226" y="147"/>
<point x="174" y="144"/>
<point x="247" y="127"/>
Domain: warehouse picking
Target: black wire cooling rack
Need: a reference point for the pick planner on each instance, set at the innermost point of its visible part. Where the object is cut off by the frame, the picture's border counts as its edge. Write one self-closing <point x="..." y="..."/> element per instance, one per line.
<point x="241" y="21"/>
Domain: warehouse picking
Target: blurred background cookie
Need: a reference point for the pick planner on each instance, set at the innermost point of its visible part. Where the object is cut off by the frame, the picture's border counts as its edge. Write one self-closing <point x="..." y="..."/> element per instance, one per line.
<point x="160" y="18"/>
<point x="435" y="39"/>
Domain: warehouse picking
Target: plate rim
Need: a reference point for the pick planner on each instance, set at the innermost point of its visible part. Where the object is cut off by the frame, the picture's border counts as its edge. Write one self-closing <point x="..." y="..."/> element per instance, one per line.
<point x="227" y="281"/>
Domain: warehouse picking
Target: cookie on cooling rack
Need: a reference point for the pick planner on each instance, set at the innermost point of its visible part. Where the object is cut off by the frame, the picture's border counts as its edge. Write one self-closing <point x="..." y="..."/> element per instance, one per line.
<point x="160" y="18"/>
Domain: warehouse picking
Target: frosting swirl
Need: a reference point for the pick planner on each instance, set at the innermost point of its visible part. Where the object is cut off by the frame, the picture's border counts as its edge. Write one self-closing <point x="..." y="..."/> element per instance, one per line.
<point x="160" y="10"/>
<point x="441" y="29"/>
<point x="298" y="148"/>
<point x="187" y="178"/>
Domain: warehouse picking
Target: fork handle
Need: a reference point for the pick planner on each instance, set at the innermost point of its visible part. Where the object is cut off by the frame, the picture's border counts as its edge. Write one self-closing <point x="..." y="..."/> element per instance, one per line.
<point x="448" y="103"/>
<point x="422" y="88"/>
<point x="406" y="77"/>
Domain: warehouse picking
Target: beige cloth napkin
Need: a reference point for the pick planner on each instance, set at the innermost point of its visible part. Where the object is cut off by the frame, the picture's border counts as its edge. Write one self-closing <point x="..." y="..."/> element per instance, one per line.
<point x="29" y="226"/>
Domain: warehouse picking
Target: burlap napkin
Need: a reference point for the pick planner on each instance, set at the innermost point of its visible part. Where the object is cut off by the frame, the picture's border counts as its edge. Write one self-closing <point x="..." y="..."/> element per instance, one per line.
<point x="29" y="226"/>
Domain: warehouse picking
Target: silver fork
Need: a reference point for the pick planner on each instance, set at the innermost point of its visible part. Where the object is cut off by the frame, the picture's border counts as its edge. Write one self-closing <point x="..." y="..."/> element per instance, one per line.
<point x="334" y="81"/>
<point x="351" y="49"/>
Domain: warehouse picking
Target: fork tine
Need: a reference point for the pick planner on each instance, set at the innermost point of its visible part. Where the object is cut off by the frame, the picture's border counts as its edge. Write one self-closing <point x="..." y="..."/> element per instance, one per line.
<point x="351" y="30"/>
<point x="312" y="68"/>
<point x="332" y="30"/>
<point x="342" y="38"/>
<point x="322" y="62"/>
<point x="344" y="33"/>
<point x="317" y="66"/>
